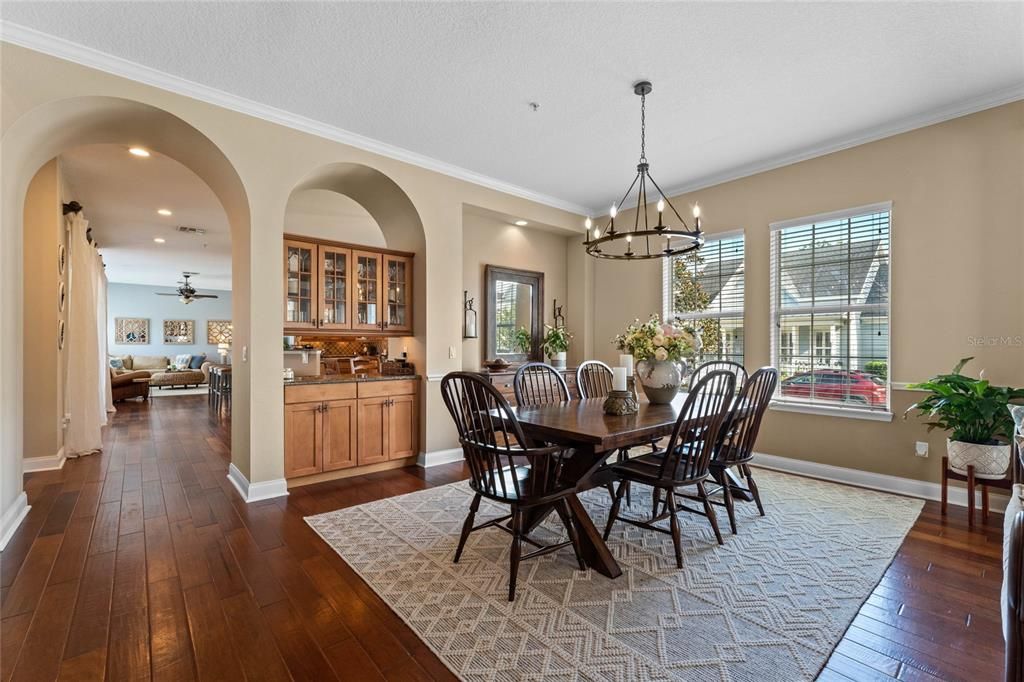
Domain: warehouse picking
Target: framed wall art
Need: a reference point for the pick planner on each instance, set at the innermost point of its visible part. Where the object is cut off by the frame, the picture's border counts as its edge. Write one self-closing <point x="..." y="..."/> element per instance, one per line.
<point x="131" y="330"/>
<point x="179" y="331"/>
<point x="218" y="331"/>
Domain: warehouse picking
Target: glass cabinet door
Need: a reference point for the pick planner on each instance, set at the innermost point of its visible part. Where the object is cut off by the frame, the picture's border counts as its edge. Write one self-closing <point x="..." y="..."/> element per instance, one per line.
<point x="335" y="290"/>
<point x="300" y="285"/>
<point x="398" y="274"/>
<point x="367" y="294"/>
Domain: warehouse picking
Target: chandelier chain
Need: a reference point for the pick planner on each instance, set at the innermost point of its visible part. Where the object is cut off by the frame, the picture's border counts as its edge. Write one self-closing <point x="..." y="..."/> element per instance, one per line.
<point x="643" y="128"/>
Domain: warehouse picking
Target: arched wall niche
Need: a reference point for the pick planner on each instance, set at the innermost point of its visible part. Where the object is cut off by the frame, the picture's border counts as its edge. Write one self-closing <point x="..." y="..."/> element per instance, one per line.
<point x="400" y="223"/>
<point x="44" y="133"/>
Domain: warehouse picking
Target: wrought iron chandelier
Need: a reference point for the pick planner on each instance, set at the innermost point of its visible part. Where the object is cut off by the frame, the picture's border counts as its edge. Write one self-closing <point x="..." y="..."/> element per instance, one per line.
<point x="645" y="240"/>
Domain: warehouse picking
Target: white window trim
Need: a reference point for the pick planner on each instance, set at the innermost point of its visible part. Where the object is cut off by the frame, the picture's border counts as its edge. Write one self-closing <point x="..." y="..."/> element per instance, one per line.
<point x="794" y="404"/>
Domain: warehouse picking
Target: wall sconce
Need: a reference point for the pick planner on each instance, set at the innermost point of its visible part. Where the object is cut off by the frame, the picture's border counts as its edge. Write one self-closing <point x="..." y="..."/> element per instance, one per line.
<point x="469" y="317"/>
<point x="559" y="317"/>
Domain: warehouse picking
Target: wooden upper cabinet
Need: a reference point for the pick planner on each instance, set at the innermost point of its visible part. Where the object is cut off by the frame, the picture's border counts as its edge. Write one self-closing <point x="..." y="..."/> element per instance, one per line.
<point x="397" y="290"/>
<point x="343" y="289"/>
<point x="368" y="313"/>
<point x="335" y="285"/>
<point x="300" y="285"/>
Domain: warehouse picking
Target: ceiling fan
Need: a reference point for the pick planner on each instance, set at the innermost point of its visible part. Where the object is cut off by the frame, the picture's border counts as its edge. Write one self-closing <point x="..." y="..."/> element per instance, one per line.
<point x="186" y="293"/>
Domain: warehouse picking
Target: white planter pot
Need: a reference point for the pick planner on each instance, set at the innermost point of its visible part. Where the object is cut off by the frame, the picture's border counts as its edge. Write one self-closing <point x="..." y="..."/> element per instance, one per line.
<point x="989" y="461"/>
<point x="558" y="360"/>
<point x="660" y="379"/>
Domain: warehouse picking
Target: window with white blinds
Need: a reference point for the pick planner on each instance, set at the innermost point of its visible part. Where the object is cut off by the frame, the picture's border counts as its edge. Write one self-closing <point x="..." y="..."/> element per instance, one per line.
<point x="704" y="289"/>
<point x="830" y="308"/>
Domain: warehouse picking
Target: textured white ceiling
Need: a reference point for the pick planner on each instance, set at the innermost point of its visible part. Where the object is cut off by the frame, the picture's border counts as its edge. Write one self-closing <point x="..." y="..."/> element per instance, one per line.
<point x="121" y="194"/>
<point x="736" y="86"/>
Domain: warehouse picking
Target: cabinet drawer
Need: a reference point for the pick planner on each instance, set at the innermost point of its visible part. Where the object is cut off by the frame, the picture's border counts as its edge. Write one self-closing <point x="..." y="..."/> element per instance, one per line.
<point x="319" y="393"/>
<point x="374" y="389"/>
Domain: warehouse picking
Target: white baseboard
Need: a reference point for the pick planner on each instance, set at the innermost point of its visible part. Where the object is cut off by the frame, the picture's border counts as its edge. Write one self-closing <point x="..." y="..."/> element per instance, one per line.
<point x="432" y="459"/>
<point x="12" y="518"/>
<point x="867" y="479"/>
<point x="254" y="492"/>
<point x="47" y="463"/>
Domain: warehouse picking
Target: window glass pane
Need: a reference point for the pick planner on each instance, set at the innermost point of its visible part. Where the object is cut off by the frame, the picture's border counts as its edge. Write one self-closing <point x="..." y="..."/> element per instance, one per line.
<point x="707" y="290"/>
<point x="831" y="332"/>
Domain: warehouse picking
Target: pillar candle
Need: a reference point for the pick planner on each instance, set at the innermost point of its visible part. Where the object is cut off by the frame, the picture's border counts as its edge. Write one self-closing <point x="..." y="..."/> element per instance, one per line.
<point x="618" y="378"/>
<point x="627" y="362"/>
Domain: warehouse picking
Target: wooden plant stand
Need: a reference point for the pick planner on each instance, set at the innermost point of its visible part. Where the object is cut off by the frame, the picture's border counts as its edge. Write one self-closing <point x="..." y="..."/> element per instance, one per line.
<point x="947" y="474"/>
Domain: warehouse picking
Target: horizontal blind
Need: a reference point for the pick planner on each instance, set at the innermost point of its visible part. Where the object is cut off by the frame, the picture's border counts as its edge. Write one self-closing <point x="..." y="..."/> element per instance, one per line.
<point x="707" y="292"/>
<point x="830" y="308"/>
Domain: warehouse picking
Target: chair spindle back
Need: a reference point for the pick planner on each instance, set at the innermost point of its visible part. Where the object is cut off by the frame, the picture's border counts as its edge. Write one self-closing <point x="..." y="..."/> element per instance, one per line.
<point x="739" y="434"/>
<point x="719" y="366"/>
<point x="492" y="441"/>
<point x="593" y="379"/>
<point x="537" y="383"/>
<point x="696" y="431"/>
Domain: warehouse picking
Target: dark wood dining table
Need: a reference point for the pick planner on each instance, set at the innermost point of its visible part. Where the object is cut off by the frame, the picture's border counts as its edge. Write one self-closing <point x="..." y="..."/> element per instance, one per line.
<point x="594" y="436"/>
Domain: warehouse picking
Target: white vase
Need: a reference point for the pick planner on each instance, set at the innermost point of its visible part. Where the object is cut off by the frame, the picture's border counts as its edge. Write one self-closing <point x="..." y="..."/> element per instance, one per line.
<point x="660" y="379"/>
<point x="989" y="461"/>
<point x="558" y="360"/>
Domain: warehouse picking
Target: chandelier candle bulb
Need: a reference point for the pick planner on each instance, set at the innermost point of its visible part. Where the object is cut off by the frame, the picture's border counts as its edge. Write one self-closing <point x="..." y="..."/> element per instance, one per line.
<point x="618" y="378"/>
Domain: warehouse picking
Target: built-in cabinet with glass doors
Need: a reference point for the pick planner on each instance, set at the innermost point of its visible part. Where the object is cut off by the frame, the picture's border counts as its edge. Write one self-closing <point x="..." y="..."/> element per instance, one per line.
<point x="338" y="288"/>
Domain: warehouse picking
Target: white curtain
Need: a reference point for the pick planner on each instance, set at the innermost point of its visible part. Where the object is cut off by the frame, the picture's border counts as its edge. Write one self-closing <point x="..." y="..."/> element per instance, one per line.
<point x="107" y="397"/>
<point x="85" y="401"/>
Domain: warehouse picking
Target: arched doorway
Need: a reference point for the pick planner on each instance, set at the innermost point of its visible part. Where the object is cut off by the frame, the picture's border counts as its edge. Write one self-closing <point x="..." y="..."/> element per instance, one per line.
<point x="43" y="134"/>
<point x="399" y="224"/>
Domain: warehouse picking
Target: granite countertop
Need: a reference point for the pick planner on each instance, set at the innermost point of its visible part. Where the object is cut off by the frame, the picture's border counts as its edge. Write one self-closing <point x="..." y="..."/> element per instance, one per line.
<point x="349" y="379"/>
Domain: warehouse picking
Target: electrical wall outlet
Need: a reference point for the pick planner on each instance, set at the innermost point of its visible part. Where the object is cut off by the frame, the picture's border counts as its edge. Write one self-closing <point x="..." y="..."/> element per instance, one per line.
<point x="921" y="449"/>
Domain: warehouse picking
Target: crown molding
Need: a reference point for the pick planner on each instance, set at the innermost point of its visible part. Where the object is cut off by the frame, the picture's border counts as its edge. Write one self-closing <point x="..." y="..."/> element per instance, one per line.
<point x="30" y="38"/>
<point x="904" y="125"/>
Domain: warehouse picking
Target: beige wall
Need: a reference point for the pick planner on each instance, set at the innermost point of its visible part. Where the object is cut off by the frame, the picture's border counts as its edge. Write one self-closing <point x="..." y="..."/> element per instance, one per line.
<point x="43" y="361"/>
<point x="957" y="251"/>
<point x="488" y="240"/>
<point x="48" y="105"/>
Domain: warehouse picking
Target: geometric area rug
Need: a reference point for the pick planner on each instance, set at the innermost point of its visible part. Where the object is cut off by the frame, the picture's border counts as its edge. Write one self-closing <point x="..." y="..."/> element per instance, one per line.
<point x="770" y="604"/>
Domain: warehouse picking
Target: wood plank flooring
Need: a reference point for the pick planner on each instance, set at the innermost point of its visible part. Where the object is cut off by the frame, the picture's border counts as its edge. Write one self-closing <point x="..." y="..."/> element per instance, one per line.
<point x="143" y="563"/>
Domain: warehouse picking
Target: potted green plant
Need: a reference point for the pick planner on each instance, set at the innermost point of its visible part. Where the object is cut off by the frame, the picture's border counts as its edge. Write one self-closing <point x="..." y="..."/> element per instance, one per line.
<point x="976" y="415"/>
<point x="661" y="351"/>
<point x="522" y="341"/>
<point x="556" y="343"/>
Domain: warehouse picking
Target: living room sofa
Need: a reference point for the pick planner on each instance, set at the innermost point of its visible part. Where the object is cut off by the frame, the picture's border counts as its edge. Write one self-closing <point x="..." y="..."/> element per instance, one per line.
<point x="149" y="365"/>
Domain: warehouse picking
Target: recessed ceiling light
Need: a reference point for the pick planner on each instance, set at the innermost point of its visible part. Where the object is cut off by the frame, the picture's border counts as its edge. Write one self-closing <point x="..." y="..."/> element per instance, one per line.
<point x="159" y="240"/>
<point x="164" y="211"/>
<point x="521" y="223"/>
<point x="138" y="151"/>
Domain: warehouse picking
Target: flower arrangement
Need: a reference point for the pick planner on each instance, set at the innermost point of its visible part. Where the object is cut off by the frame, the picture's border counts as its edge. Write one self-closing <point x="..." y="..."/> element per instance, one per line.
<point x="653" y="340"/>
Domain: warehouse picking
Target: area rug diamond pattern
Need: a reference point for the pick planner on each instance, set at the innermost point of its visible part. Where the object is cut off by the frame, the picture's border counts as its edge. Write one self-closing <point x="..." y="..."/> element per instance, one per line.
<point x="768" y="605"/>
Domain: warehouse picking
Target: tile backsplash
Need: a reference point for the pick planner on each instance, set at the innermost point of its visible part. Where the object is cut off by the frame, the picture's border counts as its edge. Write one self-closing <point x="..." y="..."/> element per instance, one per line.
<point x="339" y="346"/>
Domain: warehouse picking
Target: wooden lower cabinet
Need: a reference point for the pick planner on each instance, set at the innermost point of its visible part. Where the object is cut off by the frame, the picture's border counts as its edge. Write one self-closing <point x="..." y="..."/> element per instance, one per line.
<point x="303" y="439"/>
<point x="339" y="434"/>
<point x="373" y="430"/>
<point x="331" y="427"/>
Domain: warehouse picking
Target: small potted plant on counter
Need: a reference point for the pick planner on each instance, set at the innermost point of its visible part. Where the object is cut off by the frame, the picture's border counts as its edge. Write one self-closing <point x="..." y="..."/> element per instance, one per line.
<point x="556" y="343"/>
<point x="976" y="415"/>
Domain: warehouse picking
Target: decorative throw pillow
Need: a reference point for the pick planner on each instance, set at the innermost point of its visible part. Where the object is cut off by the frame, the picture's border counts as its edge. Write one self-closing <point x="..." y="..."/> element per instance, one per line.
<point x="197" y="361"/>
<point x="182" y="360"/>
<point x="116" y="363"/>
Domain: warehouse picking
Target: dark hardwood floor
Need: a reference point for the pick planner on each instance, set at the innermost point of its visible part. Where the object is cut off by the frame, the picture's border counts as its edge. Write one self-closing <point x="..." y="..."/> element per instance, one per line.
<point x="143" y="563"/>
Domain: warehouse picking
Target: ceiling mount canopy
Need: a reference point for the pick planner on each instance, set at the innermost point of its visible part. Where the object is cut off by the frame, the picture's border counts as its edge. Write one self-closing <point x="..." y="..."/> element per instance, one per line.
<point x="646" y="238"/>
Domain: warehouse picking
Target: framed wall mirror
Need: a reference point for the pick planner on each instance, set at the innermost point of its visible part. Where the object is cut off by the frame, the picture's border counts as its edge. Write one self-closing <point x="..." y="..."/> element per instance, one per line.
<point x="514" y="314"/>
